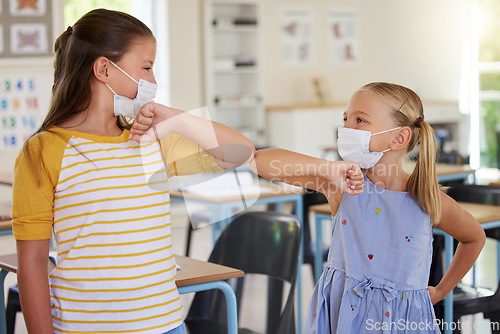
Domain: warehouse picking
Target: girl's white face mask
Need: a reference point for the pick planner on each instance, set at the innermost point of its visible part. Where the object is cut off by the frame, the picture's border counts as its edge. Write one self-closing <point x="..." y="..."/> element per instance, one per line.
<point x="354" y="145"/>
<point x="146" y="92"/>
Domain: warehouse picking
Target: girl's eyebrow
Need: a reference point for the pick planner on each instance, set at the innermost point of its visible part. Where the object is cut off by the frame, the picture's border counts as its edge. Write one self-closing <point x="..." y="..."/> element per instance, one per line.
<point x="358" y="112"/>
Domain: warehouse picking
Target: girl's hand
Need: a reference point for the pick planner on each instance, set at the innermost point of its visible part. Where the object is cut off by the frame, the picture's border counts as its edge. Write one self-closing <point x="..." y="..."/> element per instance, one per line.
<point x="141" y="125"/>
<point x="434" y="294"/>
<point x="347" y="176"/>
<point x="148" y="125"/>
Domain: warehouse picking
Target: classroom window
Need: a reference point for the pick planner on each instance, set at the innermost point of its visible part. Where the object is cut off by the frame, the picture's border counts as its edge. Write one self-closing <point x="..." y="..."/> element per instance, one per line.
<point x="489" y="82"/>
<point x="74" y="9"/>
<point x="152" y="12"/>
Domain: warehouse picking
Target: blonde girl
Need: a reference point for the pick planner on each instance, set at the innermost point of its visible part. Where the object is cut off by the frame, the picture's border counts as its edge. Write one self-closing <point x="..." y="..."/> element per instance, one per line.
<point x="376" y="275"/>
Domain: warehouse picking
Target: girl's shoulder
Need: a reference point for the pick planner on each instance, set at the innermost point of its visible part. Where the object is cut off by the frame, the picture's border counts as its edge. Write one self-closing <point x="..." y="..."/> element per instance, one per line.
<point x="46" y="139"/>
<point x="46" y="148"/>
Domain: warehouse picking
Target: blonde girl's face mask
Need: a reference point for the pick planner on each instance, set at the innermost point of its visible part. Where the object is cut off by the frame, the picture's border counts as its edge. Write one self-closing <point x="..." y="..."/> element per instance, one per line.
<point x="354" y="145"/>
<point x="146" y="92"/>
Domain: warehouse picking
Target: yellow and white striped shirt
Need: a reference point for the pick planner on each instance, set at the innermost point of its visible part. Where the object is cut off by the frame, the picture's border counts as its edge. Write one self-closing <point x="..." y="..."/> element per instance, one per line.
<point x="107" y="201"/>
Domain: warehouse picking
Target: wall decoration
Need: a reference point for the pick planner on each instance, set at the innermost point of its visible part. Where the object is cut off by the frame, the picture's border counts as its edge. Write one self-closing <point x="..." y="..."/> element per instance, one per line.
<point x="27" y="7"/>
<point x="28" y="38"/>
<point x="343" y="37"/>
<point x="27" y="28"/>
<point x="321" y="94"/>
<point x="296" y="36"/>
<point x="24" y="101"/>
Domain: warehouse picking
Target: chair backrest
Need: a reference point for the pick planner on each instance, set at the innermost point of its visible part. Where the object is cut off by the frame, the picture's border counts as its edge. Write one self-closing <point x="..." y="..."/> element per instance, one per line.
<point x="478" y="194"/>
<point x="475" y="194"/>
<point x="258" y="243"/>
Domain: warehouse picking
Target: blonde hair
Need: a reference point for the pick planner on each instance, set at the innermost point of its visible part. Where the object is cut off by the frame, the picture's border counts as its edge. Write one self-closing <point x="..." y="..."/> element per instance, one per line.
<point x="408" y="111"/>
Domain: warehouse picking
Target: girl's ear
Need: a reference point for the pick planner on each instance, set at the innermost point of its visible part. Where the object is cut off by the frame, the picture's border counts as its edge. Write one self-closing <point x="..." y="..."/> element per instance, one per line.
<point x="403" y="138"/>
<point x="101" y="69"/>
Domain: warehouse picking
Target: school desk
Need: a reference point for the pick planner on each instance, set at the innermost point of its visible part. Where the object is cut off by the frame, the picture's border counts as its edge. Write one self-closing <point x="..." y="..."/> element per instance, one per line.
<point x="222" y="206"/>
<point x="6" y="178"/>
<point x="452" y="172"/>
<point x="487" y="215"/>
<point x="5" y="220"/>
<point x="193" y="276"/>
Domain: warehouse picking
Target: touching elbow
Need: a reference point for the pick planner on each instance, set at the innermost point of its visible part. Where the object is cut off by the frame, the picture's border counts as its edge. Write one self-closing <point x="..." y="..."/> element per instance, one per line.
<point x="236" y="155"/>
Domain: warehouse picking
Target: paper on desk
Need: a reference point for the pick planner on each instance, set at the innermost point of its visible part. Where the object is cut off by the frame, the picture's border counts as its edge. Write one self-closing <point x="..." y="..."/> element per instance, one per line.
<point x="240" y="187"/>
<point x="227" y="185"/>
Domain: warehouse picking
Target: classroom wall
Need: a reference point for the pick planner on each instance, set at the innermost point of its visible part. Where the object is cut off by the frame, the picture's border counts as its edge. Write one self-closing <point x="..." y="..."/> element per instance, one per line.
<point x="414" y="43"/>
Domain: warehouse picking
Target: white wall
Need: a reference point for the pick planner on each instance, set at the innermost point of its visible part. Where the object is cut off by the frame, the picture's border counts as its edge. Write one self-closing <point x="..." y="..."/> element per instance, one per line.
<point x="414" y="43"/>
<point x="186" y="54"/>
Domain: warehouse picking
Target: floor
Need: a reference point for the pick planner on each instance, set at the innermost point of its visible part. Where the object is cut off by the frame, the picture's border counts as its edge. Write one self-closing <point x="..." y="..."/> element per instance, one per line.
<point x="253" y="312"/>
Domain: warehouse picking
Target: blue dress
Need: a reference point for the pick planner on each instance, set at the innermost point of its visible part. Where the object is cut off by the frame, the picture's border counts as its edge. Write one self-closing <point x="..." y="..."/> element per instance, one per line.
<point x="376" y="276"/>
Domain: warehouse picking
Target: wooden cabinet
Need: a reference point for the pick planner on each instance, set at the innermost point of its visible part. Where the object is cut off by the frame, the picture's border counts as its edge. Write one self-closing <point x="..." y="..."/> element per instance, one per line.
<point x="304" y="129"/>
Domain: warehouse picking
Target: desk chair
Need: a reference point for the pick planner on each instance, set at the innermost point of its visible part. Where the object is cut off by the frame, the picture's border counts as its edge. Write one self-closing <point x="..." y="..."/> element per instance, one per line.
<point x="257" y="243"/>
<point x="470" y="300"/>
<point x="13" y="306"/>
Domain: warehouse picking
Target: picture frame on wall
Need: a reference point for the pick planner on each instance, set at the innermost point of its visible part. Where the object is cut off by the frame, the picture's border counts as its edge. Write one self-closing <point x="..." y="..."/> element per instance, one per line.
<point x="28" y="38"/>
<point x="27" y="7"/>
<point x="26" y="29"/>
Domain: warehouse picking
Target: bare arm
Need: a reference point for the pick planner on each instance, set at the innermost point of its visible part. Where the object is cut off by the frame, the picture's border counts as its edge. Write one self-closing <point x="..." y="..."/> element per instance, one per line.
<point x="466" y="229"/>
<point x="332" y="178"/>
<point x="32" y="278"/>
<point x="229" y="147"/>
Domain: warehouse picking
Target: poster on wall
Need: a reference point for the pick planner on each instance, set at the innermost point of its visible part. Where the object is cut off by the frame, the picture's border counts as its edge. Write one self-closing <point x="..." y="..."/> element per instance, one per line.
<point x="27" y="7"/>
<point x="296" y="36"/>
<point x="24" y="101"/>
<point x="343" y="37"/>
<point x="28" y="38"/>
<point x="26" y="28"/>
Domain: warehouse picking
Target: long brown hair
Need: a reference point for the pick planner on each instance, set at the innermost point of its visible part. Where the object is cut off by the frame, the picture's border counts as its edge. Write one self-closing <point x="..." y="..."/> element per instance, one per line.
<point x="98" y="33"/>
<point x="408" y="111"/>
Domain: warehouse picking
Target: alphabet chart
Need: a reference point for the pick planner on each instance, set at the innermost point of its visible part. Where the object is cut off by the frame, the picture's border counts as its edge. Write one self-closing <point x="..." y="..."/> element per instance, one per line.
<point x="24" y="102"/>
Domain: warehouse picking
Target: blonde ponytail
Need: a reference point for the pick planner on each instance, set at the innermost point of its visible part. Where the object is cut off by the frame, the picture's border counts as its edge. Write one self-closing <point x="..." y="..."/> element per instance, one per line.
<point x="423" y="184"/>
<point x="408" y="111"/>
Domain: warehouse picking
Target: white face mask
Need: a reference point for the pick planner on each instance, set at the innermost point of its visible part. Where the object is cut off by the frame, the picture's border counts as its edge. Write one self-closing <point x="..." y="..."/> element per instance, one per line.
<point x="354" y="145"/>
<point x="146" y="92"/>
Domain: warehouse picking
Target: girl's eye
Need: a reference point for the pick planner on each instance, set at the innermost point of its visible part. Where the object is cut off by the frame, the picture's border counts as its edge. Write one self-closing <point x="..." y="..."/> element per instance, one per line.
<point x="147" y="68"/>
<point x="345" y="120"/>
<point x="360" y="120"/>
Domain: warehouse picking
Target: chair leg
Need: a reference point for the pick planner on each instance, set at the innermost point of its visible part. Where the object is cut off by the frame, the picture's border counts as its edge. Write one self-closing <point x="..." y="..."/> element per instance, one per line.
<point x="13" y="306"/>
<point x="188" y="238"/>
<point x="240" y="283"/>
<point x="495" y="321"/>
<point x="275" y="294"/>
